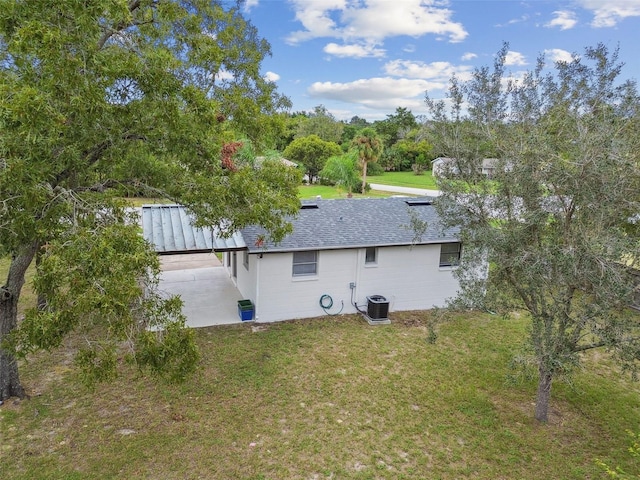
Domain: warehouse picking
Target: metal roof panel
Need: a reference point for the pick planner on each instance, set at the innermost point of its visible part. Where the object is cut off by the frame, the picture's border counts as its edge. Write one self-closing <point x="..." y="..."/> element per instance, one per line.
<point x="169" y="228"/>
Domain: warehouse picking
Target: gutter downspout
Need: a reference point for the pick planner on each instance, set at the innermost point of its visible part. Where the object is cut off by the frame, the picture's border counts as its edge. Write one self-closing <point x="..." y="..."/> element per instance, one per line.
<point x="357" y="279"/>
<point x="257" y="301"/>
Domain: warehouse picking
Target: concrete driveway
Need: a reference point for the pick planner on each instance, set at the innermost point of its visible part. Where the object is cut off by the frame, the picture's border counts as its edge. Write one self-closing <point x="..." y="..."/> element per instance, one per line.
<point x="209" y="295"/>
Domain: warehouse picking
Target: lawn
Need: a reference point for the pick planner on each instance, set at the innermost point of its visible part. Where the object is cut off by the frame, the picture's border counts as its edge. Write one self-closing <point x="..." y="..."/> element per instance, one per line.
<point x="405" y="179"/>
<point x="306" y="192"/>
<point x="401" y="179"/>
<point x="325" y="398"/>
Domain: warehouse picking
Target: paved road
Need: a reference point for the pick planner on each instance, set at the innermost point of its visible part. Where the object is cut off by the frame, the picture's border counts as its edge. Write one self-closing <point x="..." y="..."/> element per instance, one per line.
<point x="407" y="190"/>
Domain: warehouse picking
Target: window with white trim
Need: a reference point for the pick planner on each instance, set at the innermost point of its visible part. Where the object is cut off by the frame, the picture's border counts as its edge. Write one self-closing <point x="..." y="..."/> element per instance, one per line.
<point x="450" y="254"/>
<point x="371" y="256"/>
<point x="305" y="263"/>
<point x="245" y="259"/>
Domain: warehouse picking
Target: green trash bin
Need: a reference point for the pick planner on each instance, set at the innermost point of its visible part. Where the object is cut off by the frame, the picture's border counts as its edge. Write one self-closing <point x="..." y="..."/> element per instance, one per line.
<point x="245" y="310"/>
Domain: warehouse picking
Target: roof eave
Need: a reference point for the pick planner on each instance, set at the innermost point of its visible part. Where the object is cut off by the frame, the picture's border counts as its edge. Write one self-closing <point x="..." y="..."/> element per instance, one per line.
<point x="253" y="251"/>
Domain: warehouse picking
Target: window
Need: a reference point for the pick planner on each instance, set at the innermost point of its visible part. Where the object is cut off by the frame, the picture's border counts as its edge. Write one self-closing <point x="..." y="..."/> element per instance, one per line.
<point x="245" y="260"/>
<point x="450" y="254"/>
<point x="305" y="263"/>
<point x="370" y="255"/>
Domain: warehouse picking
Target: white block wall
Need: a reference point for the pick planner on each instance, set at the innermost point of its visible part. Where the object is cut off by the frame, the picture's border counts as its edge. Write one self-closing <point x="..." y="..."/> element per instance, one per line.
<point x="409" y="278"/>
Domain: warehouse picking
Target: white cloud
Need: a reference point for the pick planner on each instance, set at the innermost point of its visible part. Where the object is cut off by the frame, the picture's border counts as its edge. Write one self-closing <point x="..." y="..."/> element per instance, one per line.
<point x="515" y="58"/>
<point x="514" y="78"/>
<point x="249" y="4"/>
<point x="224" y="75"/>
<point x="439" y="72"/>
<point x="564" y="19"/>
<point x="513" y="21"/>
<point x="558" y="55"/>
<point x="468" y="56"/>
<point x="353" y="50"/>
<point x="271" y="77"/>
<point x="373" y="20"/>
<point x="378" y="93"/>
<point x="608" y="13"/>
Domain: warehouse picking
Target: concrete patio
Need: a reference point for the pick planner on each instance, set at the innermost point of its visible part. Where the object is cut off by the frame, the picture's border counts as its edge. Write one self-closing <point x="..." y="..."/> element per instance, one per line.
<point x="209" y="295"/>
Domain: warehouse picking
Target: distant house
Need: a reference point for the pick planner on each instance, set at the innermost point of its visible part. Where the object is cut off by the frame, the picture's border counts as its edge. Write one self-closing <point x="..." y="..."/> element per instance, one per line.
<point x="346" y="251"/>
<point x="286" y="162"/>
<point x="489" y="166"/>
<point x="449" y="165"/>
<point x="441" y="165"/>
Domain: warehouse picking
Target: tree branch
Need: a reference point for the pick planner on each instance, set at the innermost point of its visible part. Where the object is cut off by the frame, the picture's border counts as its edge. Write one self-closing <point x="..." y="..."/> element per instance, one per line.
<point x="109" y="32"/>
<point x="589" y="346"/>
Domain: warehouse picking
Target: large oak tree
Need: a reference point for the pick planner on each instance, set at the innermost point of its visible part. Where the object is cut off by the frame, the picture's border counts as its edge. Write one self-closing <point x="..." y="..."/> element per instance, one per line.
<point x="107" y="97"/>
<point x="553" y="219"/>
<point x="312" y="152"/>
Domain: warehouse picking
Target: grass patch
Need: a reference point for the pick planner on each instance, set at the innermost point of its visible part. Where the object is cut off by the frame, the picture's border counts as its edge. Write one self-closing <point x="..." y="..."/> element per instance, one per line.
<point x="405" y="179"/>
<point x="328" y="192"/>
<point x="324" y="398"/>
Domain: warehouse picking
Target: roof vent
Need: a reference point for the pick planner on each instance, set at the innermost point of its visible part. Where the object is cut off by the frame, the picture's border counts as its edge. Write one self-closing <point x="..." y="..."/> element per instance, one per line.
<point x="307" y="206"/>
<point x="418" y="201"/>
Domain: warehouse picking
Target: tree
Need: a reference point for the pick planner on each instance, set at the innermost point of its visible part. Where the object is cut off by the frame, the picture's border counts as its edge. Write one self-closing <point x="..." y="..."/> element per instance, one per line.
<point x="312" y="152"/>
<point x="342" y="171"/>
<point x="395" y="127"/>
<point x="550" y="222"/>
<point x="322" y="123"/>
<point x="351" y="129"/>
<point x="416" y="153"/>
<point x="369" y="148"/>
<point x="104" y="97"/>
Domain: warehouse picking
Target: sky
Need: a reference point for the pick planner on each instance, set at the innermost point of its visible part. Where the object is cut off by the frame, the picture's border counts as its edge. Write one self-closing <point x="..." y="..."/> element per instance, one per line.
<point x="366" y="58"/>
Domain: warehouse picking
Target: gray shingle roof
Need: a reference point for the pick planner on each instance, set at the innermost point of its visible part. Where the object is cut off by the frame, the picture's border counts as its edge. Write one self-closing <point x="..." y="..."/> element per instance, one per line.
<point x="353" y="223"/>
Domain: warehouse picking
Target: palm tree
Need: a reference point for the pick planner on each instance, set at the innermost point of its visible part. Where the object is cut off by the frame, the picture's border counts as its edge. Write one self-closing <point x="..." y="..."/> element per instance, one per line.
<point x="369" y="147"/>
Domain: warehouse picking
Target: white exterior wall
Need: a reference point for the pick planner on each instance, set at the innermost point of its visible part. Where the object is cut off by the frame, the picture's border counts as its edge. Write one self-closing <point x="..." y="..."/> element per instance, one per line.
<point x="246" y="280"/>
<point x="409" y="278"/>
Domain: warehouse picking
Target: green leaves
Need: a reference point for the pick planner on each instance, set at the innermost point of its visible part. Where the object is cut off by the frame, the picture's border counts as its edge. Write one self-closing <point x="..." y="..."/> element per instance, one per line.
<point x="342" y="171"/>
<point x="551" y="220"/>
<point x="99" y="279"/>
<point x="312" y="152"/>
<point x="114" y="97"/>
<point x="170" y="353"/>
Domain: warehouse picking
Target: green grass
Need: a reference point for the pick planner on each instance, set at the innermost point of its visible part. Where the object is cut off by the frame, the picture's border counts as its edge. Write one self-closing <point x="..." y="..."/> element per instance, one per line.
<point x="327" y="192"/>
<point x="405" y="179"/>
<point x="324" y="398"/>
<point x="402" y="179"/>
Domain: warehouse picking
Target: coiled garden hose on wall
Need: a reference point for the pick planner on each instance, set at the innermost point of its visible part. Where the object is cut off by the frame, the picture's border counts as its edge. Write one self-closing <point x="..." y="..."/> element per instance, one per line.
<point x="326" y="303"/>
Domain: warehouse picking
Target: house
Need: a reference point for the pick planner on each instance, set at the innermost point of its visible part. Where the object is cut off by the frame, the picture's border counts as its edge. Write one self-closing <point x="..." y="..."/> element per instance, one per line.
<point x="343" y="251"/>
<point x="340" y="253"/>
<point x="489" y="166"/>
<point x="284" y="161"/>
<point x="441" y="165"/>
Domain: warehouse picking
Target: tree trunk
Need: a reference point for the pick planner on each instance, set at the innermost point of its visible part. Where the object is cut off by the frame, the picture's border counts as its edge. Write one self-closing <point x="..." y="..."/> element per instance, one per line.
<point x="42" y="301"/>
<point x="543" y="395"/>
<point x="10" y="385"/>
<point x="364" y="176"/>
